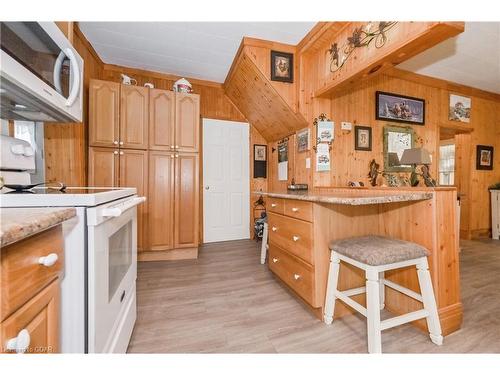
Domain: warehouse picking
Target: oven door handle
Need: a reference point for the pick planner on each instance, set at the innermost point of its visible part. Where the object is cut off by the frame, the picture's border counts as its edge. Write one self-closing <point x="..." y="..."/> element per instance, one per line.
<point x="118" y="211"/>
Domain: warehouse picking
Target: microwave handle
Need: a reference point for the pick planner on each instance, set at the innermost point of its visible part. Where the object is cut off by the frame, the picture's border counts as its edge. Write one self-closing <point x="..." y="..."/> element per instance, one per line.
<point x="118" y="211"/>
<point x="57" y="71"/>
<point x="75" y="87"/>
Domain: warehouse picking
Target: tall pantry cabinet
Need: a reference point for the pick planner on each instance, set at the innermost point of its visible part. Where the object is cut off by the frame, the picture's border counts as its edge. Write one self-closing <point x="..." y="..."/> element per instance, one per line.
<point x="149" y="139"/>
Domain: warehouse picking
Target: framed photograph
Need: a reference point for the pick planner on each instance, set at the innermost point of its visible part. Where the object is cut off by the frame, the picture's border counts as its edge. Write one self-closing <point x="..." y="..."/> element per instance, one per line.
<point x="484" y="157"/>
<point x="459" y="108"/>
<point x="399" y="108"/>
<point x="396" y="140"/>
<point x="303" y="140"/>
<point x="259" y="152"/>
<point x="281" y="66"/>
<point x="362" y="138"/>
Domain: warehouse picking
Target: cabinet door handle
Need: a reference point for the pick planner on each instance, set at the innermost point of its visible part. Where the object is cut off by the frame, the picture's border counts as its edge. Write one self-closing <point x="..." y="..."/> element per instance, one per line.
<point x="176" y="146"/>
<point x="296" y="276"/>
<point x="20" y="343"/>
<point x="48" y="260"/>
<point x="172" y="147"/>
<point x="275" y="260"/>
<point x="171" y="156"/>
<point x="121" y="143"/>
<point x="121" y="152"/>
<point x="295" y="238"/>
<point x="176" y="155"/>
<point x="115" y="152"/>
<point x="295" y="209"/>
<point x="274" y="229"/>
<point x="273" y="204"/>
<point x="115" y="142"/>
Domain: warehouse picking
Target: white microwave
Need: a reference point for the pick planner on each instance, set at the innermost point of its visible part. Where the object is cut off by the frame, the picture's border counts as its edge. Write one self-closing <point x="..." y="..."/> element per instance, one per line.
<point x="41" y="74"/>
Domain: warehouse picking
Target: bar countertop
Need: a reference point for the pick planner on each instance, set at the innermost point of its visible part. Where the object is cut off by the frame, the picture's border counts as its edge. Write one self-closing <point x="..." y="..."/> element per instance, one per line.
<point x="352" y="198"/>
<point x="19" y="223"/>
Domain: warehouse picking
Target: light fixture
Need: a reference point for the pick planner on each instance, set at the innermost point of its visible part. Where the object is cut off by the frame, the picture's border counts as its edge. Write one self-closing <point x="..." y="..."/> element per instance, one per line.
<point x="418" y="156"/>
<point x="20" y="106"/>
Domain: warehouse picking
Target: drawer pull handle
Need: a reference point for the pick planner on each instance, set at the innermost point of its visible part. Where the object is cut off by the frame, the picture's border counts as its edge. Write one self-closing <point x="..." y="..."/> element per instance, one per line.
<point x="296" y="276"/>
<point x="49" y="260"/>
<point x="295" y="209"/>
<point x="275" y="260"/>
<point x="274" y="229"/>
<point x="273" y="204"/>
<point x="20" y="343"/>
<point x="296" y="238"/>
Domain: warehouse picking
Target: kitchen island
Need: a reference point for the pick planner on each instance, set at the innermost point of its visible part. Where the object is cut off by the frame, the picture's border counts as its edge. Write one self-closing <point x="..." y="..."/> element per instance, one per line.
<point x="301" y="225"/>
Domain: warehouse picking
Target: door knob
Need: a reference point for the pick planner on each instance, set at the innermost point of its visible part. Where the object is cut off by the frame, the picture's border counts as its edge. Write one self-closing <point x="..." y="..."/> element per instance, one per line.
<point x="207" y="187"/>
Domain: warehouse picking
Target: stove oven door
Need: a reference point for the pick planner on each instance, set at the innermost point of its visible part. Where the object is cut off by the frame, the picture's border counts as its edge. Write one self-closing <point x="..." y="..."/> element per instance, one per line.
<point x="112" y="272"/>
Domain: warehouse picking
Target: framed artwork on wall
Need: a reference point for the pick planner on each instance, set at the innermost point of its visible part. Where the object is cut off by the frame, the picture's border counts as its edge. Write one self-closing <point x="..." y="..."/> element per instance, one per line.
<point x="399" y="108"/>
<point x="362" y="138"/>
<point x="281" y="66"/>
<point x="460" y="107"/>
<point x="259" y="161"/>
<point x="484" y="157"/>
<point x="396" y="140"/>
<point x="303" y="140"/>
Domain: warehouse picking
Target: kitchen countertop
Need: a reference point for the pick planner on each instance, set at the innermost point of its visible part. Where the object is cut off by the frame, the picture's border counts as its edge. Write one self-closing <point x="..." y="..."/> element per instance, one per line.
<point x="19" y="223"/>
<point x="352" y="198"/>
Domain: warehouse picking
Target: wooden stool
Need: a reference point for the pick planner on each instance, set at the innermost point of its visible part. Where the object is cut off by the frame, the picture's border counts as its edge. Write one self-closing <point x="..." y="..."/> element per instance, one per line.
<point x="264" y="246"/>
<point x="375" y="255"/>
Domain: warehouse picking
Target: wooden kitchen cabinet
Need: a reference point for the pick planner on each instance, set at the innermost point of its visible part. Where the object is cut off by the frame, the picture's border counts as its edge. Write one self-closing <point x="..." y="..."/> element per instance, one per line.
<point x="40" y="318"/>
<point x="104" y="113"/>
<point x="186" y="200"/>
<point x="134" y="173"/>
<point x="103" y="167"/>
<point x="161" y="120"/>
<point x="187" y="122"/>
<point x="161" y="200"/>
<point x="134" y="117"/>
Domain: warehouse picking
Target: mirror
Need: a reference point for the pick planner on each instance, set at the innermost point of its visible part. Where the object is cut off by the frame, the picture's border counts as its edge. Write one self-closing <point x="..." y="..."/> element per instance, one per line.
<point x="396" y="140"/>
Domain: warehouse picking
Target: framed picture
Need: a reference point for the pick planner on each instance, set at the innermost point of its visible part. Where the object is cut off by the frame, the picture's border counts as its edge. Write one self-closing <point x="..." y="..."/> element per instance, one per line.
<point x="396" y="140"/>
<point x="303" y="140"/>
<point x="399" y="108"/>
<point x="459" y="108"/>
<point x="259" y="152"/>
<point x="281" y="66"/>
<point x="362" y="138"/>
<point x="484" y="157"/>
<point x="325" y="131"/>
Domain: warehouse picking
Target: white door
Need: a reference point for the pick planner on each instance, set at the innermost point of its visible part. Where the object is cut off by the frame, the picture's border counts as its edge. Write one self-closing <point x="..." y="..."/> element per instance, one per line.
<point x="226" y="181"/>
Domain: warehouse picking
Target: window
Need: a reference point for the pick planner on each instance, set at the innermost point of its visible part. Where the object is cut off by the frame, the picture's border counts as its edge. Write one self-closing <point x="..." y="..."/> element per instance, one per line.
<point x="447" y="164"/>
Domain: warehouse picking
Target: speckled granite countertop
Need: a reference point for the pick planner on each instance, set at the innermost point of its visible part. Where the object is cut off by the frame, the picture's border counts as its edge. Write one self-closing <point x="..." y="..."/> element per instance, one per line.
<point x="352" y="199"/>
<point x="19" y="223"/>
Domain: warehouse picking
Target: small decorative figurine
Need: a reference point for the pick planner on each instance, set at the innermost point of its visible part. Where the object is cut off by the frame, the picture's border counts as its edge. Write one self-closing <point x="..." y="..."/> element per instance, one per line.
<point x="426" y="175"/>
<point x="374" y="172"/>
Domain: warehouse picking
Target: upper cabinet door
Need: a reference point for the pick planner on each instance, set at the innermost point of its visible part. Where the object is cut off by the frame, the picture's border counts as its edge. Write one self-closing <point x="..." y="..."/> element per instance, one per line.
<point x="104" y="104"/>
<point x="187" y="122"/>
<point x="187" y="200"/>
<point x="103" y="167"/>
<point x="161" y="120"/>
<point x="134" y="173"/>
<point x="134" y="117"/>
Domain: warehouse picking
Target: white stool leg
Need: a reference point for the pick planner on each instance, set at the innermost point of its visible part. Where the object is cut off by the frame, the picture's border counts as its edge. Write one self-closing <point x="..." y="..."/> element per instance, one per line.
<point x="263" y="249"/>
<point x="381" y="276"/>
<point x="373" y="311"/>
<point x="331" y="288"/>
<point x="425" y="282"/>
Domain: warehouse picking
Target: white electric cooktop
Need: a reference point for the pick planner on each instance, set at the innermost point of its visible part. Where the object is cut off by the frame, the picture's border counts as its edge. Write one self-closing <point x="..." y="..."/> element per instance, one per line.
<point x="70" y="196"/>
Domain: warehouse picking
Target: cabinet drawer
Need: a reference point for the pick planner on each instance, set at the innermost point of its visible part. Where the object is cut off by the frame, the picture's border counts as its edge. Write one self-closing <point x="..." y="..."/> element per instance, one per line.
<point x="292" y="271"/>
<point x="298" y="209"/>
<point x="40" y="318"/>
<point x="276" y="205"/>
<point x="22" y="275"/>
<point x="293" y="235"/>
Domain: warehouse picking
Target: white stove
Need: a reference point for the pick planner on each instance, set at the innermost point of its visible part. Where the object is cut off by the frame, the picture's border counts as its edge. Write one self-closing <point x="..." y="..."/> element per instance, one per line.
<point x="98" y="295"/>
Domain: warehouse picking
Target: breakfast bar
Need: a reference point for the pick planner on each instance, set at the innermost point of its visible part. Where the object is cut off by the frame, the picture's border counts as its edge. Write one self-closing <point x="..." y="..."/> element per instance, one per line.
<point x="301" y="225"/>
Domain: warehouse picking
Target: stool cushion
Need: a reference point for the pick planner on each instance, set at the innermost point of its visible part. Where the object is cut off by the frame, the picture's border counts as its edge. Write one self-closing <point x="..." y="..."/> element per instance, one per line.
<point x="378" y="250"/>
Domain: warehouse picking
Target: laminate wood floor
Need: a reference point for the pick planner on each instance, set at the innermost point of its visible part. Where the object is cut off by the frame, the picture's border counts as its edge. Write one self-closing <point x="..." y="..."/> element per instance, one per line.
<point x="226" y="302"/>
